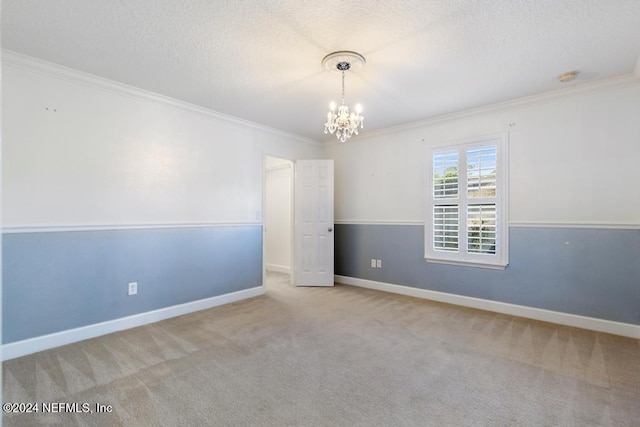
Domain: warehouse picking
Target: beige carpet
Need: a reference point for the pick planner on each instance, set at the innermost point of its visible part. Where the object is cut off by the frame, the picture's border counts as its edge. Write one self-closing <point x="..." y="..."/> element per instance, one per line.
<point x="342" y="356"/>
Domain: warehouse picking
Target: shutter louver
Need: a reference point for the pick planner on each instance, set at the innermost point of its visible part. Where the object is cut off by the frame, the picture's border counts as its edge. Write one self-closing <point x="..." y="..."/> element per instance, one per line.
<point x="445" y="175"/>
<point x="481" y="229"/>
<point x="445" y="228"/>
<point x="481" y="171"/>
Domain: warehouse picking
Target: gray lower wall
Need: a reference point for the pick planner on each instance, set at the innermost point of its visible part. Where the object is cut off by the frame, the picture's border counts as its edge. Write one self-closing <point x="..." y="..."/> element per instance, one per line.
<point x="589" y="272"/>
<point x="63" y="280"/>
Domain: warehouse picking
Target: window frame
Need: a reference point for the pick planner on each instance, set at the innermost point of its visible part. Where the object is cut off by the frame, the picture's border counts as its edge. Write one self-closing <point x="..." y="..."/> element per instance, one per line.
<point x="463" y="257"/>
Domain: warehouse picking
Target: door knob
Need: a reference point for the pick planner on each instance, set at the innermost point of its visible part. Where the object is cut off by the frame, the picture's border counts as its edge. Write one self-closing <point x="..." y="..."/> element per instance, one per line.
<point x="330" y="229"/>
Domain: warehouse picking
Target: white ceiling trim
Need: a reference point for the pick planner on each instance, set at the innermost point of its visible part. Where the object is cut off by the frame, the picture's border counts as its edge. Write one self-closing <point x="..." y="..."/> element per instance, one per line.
<point x="513" y="103"/>
<point x="29" y="63"/>
<point x="18" y="60"/>
<point x="260" y="61"/>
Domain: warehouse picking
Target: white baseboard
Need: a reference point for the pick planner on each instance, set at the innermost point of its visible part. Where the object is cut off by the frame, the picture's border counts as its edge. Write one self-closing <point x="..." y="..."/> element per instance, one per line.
<point x="278" y="268"/>
<point x="45" y="342"/>
<point x="591" y="323"/>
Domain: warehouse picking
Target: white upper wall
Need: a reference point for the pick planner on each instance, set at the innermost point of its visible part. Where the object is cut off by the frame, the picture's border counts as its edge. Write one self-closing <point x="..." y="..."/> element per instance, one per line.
<point x="111" y="157"/>
<point x="82" y="154"/>
<point x="573" y="159"/>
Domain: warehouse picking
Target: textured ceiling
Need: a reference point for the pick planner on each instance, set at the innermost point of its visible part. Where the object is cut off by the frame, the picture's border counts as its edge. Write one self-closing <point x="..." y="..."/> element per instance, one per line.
<point x="260" y="59"/>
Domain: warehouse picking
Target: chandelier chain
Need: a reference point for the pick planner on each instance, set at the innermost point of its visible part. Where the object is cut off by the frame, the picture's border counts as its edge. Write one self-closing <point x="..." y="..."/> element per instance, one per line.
<point x="343" y="123"/>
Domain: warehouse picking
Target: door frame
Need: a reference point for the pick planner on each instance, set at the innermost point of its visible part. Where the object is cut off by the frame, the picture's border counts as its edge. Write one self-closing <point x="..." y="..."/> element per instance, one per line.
<point x="292" y="252"/>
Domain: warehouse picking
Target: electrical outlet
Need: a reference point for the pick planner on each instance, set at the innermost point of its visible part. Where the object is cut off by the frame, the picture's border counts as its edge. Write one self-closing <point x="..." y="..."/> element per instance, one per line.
<point x="133" y="288"/>
<point x="379" y="263"/>
<point x="373" y="263"/>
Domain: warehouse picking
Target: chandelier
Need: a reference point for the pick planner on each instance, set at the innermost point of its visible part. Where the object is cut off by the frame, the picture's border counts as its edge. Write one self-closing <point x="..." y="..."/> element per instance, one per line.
<point x="343" y="123"/>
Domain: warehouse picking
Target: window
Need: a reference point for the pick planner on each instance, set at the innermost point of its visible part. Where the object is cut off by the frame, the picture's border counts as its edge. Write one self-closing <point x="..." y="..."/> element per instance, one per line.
<point x="467" y="203"/>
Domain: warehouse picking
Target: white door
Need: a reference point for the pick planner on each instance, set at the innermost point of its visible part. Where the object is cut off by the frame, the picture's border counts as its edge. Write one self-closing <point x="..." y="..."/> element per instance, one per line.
<point x="314" y="223"/>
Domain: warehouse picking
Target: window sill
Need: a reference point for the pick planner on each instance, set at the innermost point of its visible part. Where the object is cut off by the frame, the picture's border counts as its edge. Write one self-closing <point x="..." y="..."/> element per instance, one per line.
<point x="492" y="266"/>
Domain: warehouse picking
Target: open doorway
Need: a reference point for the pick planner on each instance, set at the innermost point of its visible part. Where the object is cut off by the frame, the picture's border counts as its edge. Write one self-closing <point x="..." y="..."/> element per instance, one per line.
<point x="278" y="216"/>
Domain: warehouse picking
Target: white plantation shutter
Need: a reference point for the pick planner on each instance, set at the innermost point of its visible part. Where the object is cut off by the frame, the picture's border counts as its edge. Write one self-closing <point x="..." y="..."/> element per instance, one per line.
<point x="466" y="214"/>
<point x="446" y="223"/>
<point x="481" y="229"/>
<point x="481" y="186"/>
<point x="481" y="171"/>
<point x="445" y="175"/>
<point x="445" y="228"/>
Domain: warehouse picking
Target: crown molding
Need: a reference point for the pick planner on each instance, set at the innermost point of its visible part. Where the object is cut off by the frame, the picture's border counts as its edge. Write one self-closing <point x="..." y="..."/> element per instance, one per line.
<point x="50" y="69"/>
<point x="29" y="63"/>
<point x="630" y="78"/>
